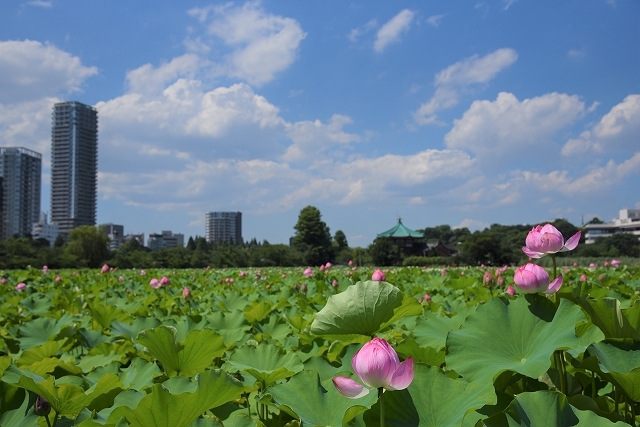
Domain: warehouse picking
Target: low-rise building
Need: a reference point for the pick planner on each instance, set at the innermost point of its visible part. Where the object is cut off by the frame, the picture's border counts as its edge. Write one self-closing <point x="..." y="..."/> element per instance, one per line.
<point x="627" y="222"/>
<point x="166" y="239"/>
<point x="44" y="230"/>
<point x="115" y="233"/>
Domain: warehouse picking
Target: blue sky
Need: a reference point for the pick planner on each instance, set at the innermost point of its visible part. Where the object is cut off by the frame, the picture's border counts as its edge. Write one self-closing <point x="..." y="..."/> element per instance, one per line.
<point x="465" y="113"/>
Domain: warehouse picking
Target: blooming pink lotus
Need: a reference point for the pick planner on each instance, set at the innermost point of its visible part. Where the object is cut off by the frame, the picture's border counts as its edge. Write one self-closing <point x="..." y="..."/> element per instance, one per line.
<point x="615" y="262"/>
<point x="543" y="240"/>
<point x="378" y="276"/>
<point x="532" y="278"/>
<point x="377" y="365"/>
<point x="20" y="286"/>
<point x="308" y="272"/>
<point x="165" y="281"/>
<point x="426" y="298"/>
<point x="105" y="268"/>
<point x="154" y="283"/>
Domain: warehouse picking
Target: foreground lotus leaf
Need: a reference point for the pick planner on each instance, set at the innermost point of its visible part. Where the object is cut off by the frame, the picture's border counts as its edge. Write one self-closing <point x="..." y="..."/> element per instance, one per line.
<point x="519" y="335"/>
<point x="186" y="358"/>
<point x="161" y="408"/>
<point x="316" y="403"/>
<point x="266" y="363"/>
<point x="548" y="409"/>
<point x="363" y="309"/>
<point x="618" y="363"/>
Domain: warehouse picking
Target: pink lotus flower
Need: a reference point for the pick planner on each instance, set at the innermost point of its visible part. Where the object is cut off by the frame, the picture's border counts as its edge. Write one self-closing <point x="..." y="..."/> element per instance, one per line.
<point x="606" y="263"/>
<point x="322" y="267"/>
<point x="243" y="273"/>
<point x="532" y="278"/>
<point x="105" y="268"/>
<point x="500" y="281"/>
<point x="121" y="278"/>
<point x="20" y="286"/>
<point x="543" y="240"/>
<point x="308" y="272"/>
<point x="186" y="293"/>
<point x="583" y="277"/>
<point x="303" y="288"/>
<point x="154" y="283"/>
<point x="350" y="263"/>
<point x="377" y="365"/>
<point x="45" y="269"/>
<point x="488" y="279"/>
<point x="510" y="290"/>
<point x="443" y="272"/>
<point x="378" y="276"/>
<point x="143" y="272"/>
<point x="58" y="278"/>
<point x="328" y="265"/>
<point x="165" y="281"/>
<point x="335" y="284"/>
<point x="3" y="281"/>
<point x="426" y="298"/>
<point x="615" y="262"/>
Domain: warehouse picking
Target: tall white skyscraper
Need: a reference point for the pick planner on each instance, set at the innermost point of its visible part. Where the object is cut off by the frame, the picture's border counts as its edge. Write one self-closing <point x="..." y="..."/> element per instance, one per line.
<point x="20" y="185"/>
<point x="223" y="227"/>
<point x="74" y="165"/>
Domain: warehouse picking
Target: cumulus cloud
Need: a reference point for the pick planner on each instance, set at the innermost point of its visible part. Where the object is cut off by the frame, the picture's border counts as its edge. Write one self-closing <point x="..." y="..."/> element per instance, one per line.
<point x="500" y="128"/>
<point x="472" y="224"/>
<point x="311" y="138"/>
<point x="434" y="20"/>
<point x="618" y="130"/>
<point x="262" y="44"/>
<point x="30" y="70"/>
<point x="390" y="32"/>
<point x="355" y="33"/>
<point x="448" y="82"/>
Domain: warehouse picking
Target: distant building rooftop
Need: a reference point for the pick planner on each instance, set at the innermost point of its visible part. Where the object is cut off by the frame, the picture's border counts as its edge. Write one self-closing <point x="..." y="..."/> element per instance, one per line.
<point x="627" y="222"/>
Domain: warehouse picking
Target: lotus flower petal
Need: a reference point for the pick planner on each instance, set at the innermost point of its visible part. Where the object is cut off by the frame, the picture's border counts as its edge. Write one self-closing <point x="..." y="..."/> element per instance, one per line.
<point x="349" y="388"/>
<point x="572" y="243"/>
<point x="555" y="285"/>
<point x="403" y="376"/>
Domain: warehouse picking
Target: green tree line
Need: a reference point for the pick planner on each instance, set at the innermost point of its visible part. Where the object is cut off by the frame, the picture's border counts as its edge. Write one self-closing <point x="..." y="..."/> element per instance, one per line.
<point x="312" y="245"/>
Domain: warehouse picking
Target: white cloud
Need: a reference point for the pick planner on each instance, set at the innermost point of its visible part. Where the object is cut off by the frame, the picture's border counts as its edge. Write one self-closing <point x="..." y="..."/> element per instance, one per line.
<point x="435" y="20"/>
<point x="40" y="3"/>
<point x="390" y="32"/>
<point x="618" y="130"/>
<point x="506" y="126"/>
<point x="448" y="82"/>
<point x="508" y="3"/>
<point x="472" y="224"/>
<point x="311" y="138"/>
<point x="30" y="70"/>
<point x="150" y="79"/>
<point x="263" y="44"/>
<point x="355" y="33"/>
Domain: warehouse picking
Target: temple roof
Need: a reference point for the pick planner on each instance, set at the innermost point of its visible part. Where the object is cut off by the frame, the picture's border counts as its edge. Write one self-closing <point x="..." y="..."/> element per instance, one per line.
<point x="400" y="231"/>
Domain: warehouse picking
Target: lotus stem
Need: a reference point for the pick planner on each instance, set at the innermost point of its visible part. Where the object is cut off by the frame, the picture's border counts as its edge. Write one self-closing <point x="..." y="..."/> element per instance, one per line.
<point x="593" y="385"/>
<point x="381" y="400"/>
<point x="48" y="422"/>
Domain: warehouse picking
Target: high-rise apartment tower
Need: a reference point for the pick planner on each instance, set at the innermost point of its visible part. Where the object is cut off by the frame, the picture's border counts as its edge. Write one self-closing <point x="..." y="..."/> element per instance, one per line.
<point x="223" y="227"/>
<point x="74" y="165"/>
<point x="20" y="182"/>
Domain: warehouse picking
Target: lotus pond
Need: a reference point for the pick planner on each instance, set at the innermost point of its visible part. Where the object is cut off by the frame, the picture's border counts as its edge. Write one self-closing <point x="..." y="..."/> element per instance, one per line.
<point x="251" y="348"/>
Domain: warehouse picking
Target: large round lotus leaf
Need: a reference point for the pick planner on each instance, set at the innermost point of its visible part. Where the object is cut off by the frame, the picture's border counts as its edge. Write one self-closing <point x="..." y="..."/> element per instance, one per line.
<point x="519" y="335"/>
<point x="316" y="403"/>
<point x="266" y="363"/>
<point x="546" y="409"/>
<point x="160" y="408"/>
<point x="619" y="363"/>
<point x="363" y="309"/>
<point x="608" y="315"/>
<point x="186" y="358"/>
<point x="432" y="400"/>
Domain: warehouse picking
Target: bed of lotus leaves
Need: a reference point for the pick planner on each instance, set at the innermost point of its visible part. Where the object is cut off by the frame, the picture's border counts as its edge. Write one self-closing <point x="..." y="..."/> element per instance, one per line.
<point x="256" y="348"/>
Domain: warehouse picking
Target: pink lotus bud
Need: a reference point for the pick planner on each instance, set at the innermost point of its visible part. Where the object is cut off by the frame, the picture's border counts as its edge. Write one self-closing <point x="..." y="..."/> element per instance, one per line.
<point x="500" y="281"/>
<point x="378" y="276"/>
<point x="575" y="264"/>
<point x="488" y="279"/>
<point x="482" y="266"/>
<point x="335" y="284"/>
<point x="186" y="293"/>
<point x="583" y="277"/>
<point x="243" y="273"/>
<point x="3" y="281"/>
<point x="20" y="286"/>
<point x="308" y="272"/>
<point x="105" y="268"/>
<point x="532" y="278"/>
<point x="601" y="277"/>
<point x="154" y="283"/>
<point x="510" y="290"/>
<point x="58" y="278"/>
<point x="593" y="265"/>
<point x="443" y="272"/>
<point x="350" y="263"/>
<point x="426" y="298"/>
<point x="121" y="278"/>
<point x="498" y="272"/>
<point x="615" y="262"/>
<point x="328" y="265"/>
<point x="377" y="365"/>
<point x="543" y="240"/>
<point x="606" y="263"/>
<point x="165" y="281"/>
<point x="322" y="267"/>
<point x="143" y="272"/>
<point x="45" y="269"/>
<point x="462" y="273"/>
<point x="303" y="288"/>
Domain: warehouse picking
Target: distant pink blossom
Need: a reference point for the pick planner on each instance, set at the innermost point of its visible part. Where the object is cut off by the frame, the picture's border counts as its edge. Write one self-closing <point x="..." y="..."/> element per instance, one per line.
<point x="350" y="263"/>
<point x="543" y="240"/>
<point x="426" y="298"/>
<point x="121" y="278"/>
<point x="322" y="267"/>
<point x="606" y="264"/>
<point x="510" y="290"/>
<point x="105" y="268"/>
<point x="378" y="276"/>
<point x="303" y="288"/>
<point x="615" y="262"/>
<point x="308" y="272"/>
<point x="335" y="284"/>
<point x="143" y="272"/>
<point x="488" y="279"/>
<point x="186" y="293"/>
<point x="243" y="274"/>
<point x="45" y="269"/>
<point x="328" y="265"/>
<point x="165" y="281"/>
<point x="583" y="277"/>
<point x="443" y="272"/>
<point x="20" y="286"/>
<point x="500" y="281"/>
<point x="593" y="265"/>
<point x="532" y="278"/>
<point x="462" y="273"/>
<point x="3" y="281"/>
<point x="154" y="283"/>
<point x="58" y="278"/>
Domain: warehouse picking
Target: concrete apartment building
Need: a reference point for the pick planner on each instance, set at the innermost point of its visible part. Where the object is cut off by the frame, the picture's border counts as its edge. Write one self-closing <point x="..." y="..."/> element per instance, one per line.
<point x="74" y="165"/>
<point x="628" y="221"/>
<point x="223" y="227"/>
<point x="166" y="239"/>
<point x="20" y="187"/>
<point x="115" y="233"/>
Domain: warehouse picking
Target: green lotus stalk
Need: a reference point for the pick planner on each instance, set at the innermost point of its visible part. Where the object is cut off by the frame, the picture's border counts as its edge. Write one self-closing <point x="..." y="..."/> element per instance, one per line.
<point x="381" y="400"/>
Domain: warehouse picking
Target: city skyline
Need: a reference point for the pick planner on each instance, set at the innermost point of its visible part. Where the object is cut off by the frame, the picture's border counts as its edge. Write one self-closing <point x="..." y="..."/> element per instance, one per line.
<point x="465" y="114"/>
